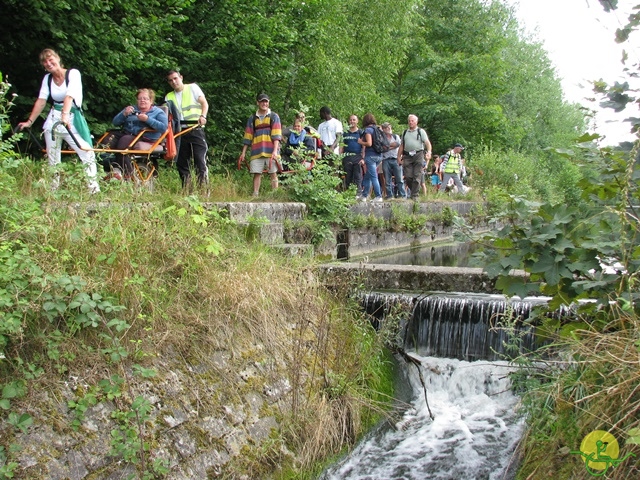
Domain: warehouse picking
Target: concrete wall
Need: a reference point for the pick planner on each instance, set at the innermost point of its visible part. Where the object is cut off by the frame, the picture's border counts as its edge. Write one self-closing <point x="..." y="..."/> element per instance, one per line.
<point x="384" y="209"/>
<point x="412" y="278"/>
<point x="354" y="242"/>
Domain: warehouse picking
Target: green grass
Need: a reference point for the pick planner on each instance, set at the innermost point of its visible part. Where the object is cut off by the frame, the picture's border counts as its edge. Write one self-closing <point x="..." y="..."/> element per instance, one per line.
<point x="151" y="275"/>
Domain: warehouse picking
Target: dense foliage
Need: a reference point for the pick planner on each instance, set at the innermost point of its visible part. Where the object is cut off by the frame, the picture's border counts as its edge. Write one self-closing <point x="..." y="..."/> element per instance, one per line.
<point x="463" y="66"/>
<point x="583" y="254"/>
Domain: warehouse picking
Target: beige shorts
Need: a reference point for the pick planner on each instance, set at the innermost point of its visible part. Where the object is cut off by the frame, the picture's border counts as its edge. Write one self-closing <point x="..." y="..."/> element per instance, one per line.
<point x="261" y="164"/>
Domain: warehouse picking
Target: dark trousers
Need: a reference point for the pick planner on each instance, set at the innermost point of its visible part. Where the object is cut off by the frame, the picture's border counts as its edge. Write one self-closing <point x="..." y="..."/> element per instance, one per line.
<point x="353" y="170"/>
<point x="119" y="140"/>
<point x="193" y="145"/>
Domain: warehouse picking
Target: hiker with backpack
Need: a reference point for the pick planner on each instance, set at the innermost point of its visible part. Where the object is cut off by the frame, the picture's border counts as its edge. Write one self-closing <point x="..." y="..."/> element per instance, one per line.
<point x="372" y="140"/>
<point x="63" y="89"/>
<point x="452" y="163"/>
<point x="414" y="154"/>
<point x="263" y="133"/>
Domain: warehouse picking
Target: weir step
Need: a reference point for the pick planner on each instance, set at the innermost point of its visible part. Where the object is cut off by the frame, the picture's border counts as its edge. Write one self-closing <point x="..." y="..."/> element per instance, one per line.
<point x="295" y="249"/>
<point x="413" y="278"/>
<point x="250" y="212"/>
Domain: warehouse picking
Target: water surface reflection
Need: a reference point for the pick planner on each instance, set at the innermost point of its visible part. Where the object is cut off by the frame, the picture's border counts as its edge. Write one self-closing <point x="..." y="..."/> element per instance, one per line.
<point x="449" y="255"/>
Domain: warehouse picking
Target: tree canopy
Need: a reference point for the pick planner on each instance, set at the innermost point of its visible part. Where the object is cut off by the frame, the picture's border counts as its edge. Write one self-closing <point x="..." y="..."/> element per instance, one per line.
<point x="463" y="66"/>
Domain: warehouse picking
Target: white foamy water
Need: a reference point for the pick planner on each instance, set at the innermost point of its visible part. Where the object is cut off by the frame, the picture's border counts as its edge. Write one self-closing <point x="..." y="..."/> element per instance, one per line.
<point x="473" y="434"/>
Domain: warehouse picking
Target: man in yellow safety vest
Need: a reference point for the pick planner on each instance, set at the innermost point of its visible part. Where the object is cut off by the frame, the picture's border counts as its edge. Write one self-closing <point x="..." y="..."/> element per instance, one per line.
<point x="451" y="166"/>
<point x="192" y="107"/>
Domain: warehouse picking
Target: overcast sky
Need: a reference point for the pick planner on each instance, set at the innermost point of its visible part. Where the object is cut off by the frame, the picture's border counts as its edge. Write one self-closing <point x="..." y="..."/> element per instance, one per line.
<point x="580" y="39"/>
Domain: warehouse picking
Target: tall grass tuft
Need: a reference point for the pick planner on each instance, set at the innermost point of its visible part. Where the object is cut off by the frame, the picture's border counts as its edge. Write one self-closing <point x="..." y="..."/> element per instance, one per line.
<point x="595" y="385"/>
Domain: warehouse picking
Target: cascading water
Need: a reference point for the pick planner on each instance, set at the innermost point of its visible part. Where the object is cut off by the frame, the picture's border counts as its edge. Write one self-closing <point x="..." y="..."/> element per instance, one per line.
<point x="466" y="426"/>
<point x="464" y="326"/>
<point x="473" y="434"/>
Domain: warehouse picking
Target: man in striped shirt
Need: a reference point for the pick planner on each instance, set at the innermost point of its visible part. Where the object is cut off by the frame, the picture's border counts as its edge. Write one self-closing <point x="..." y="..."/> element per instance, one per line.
<point x="263" y="133"/>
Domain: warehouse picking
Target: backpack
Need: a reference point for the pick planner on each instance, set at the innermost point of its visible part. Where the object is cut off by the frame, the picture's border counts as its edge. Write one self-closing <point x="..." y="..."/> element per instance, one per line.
<point x="379" y="140"/>
<point x="66" y="83"/>
<point x="173" y="127"/>
<point x="418" y="135"/>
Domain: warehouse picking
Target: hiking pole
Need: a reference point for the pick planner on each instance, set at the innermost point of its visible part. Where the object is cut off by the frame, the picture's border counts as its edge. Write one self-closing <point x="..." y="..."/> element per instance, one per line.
<point x="73" y="137"/>
<point x="33" y="137"/>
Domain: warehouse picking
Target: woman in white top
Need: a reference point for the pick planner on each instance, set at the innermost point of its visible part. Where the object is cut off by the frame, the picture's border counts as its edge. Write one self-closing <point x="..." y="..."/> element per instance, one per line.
<point x="64" y="90"/>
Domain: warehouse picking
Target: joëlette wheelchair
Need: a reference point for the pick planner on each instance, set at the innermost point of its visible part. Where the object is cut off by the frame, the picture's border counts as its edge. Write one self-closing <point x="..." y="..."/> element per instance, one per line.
<point x="144" y="161"/>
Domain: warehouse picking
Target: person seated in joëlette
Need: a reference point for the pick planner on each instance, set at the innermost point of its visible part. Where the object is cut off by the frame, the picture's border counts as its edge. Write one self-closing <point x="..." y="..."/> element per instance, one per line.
<point x="299" y="147"/>
<point x="144" y="116"/>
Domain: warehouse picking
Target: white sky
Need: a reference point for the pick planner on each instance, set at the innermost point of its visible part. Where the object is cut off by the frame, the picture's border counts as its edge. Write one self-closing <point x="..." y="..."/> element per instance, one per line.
<point x="580" y="39"/>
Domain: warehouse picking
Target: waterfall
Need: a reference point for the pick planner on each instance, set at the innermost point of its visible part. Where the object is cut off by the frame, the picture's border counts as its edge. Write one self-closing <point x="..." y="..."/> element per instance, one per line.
<point x="463" y="326"/>
<point x="459" y="420"/>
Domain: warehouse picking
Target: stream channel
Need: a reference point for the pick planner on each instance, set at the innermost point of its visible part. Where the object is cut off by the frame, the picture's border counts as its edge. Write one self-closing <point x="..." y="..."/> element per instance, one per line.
<point x="467" y="425"/>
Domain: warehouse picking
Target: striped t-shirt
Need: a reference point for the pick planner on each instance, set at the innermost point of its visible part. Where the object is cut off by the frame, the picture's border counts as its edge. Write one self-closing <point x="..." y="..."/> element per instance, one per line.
<point x="261" y="132"/>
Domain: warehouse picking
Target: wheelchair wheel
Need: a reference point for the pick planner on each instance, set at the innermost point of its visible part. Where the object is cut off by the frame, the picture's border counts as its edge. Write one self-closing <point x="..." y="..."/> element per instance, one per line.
<point x="144" y="175"/>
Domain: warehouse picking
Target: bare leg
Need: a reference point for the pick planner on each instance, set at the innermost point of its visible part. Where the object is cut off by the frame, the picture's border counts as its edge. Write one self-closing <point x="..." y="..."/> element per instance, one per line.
<point x="257" y="178"/>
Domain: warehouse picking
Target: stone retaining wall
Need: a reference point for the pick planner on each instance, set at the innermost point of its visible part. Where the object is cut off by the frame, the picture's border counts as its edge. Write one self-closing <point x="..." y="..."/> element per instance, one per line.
<point x="413" y="278"/>
<point x="354" y="242"/>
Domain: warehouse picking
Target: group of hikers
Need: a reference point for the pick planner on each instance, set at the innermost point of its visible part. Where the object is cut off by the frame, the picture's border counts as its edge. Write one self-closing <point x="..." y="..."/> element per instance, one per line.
<point x="373" y="157"/>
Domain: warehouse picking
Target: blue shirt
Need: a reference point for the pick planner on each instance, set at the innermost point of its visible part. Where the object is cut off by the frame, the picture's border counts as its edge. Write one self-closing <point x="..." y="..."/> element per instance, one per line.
<point x="157" y="121"/>
<point x="350" y="140"/>
<point x="369" y="151"/>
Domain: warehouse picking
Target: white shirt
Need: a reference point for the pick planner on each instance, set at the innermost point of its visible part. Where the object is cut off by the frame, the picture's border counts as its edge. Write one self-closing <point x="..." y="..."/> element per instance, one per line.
<point x="58" y="92"/>
<point x="329" y="131"/>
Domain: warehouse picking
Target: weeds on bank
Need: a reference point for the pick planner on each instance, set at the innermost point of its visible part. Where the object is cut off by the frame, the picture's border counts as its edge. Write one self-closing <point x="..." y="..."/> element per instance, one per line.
<point x="402" y="220"/>
<point x="99" y="293"/>
<point x="87" y="291"/>
<point x="593" y="385"/>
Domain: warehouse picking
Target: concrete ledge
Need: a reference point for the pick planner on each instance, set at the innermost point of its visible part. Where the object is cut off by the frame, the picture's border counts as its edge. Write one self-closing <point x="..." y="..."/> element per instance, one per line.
<point x="274" y="212"/>
<point x="267" y="233"/>
<point x="410" y="278"/>
<point x="295" y="249"/>
<point x="384" y="209"/>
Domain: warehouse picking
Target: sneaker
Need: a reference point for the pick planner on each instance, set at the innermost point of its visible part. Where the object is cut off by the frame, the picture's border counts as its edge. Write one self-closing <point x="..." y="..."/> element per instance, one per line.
<point x="361" y="199"/>
<point x="377" y="199"/>
<point x="255" y="194"/>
